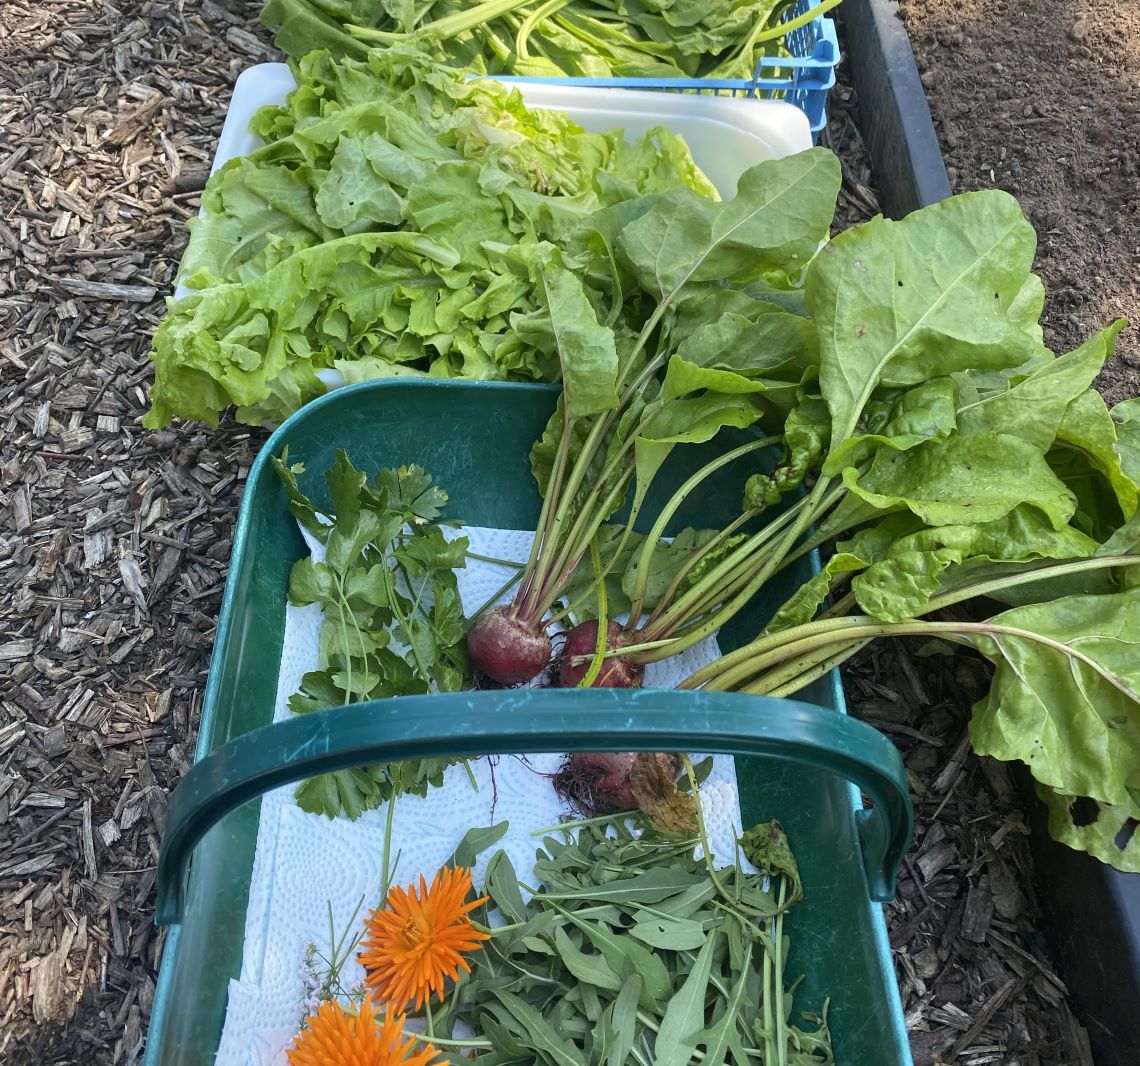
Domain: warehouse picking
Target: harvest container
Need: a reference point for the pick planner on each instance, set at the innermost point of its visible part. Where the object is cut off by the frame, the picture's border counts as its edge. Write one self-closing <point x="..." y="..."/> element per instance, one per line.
<point x="803" y="764"/>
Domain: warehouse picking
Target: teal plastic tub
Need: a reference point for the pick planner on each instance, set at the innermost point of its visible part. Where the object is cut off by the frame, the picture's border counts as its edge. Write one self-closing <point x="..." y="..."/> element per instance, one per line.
<point x="805" y="763"/>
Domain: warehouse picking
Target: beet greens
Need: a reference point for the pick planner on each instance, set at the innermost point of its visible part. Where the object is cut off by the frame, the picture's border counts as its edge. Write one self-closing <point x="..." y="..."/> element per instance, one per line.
<point x="940" y="454"/>
<point x="628" y="400"/>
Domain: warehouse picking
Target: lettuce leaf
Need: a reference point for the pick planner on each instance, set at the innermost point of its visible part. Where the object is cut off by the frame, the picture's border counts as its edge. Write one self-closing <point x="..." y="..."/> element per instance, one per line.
<point x="398" y="221"/>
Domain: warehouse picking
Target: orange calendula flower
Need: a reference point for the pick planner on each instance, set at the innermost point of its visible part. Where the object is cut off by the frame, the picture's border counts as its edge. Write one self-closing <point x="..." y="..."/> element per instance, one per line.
<point x="334" y="1037"/>
<point x="417" y="939"/>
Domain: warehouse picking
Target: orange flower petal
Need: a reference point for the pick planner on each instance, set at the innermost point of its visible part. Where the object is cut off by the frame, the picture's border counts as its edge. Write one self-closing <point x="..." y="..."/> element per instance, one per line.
<point x="416" y="940"/>
<point x="334" y="1037"/>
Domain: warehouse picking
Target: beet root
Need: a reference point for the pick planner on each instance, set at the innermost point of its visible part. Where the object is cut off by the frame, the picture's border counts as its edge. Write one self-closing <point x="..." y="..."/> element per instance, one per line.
<point x="582" y="641"/>
<point x="597" y="782"/>
<point x="505" y="648"/>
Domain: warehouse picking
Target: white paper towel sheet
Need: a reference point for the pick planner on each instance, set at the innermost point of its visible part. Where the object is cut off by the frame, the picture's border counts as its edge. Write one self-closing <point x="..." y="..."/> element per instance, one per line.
<point x="307" y="865"/>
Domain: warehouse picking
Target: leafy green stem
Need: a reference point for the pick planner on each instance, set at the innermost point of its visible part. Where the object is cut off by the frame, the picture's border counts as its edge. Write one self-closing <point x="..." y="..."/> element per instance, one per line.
<point x="595" y="667"/>
<point x="386" y="870"/>
<point x="774" y="641"/>
<point x="1028" y="575"/>
<point x="793" y="644"/>
<point x="810" y="669"/>
<point x="778" y="976"/>
<point x="657" y="530"/>
<point x="495" y="560"/>
<point x="739" y="569"/>
<point x="717" y="618"/>
<point x="697" y="557"/>
<point x="449" y="26"/>
<point x="338" y="585"/>
<point x="533" y="19"/>
<point x="545" y="517"/>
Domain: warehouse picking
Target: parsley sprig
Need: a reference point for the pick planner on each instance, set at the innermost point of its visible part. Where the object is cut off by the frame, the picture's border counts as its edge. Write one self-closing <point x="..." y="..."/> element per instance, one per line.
<point x="393" y="618"/>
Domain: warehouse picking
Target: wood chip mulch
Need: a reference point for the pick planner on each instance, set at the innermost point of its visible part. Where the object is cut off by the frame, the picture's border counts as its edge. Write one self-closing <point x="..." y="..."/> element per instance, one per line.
<point x="974" y="970"/>
<point x="114" y="544"/>
<point x="113" y="541"/>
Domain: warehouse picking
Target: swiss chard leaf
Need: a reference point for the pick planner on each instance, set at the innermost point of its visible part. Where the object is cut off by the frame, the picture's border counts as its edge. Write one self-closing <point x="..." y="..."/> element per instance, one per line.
<point x="781" y="212"/>
<point x="1030" y="402"/>
<point x="587" y="350"/>
<point x="1065" y="698"/>
<point x="898" y="303"/>
<point x="1102" y="441"/>
<point x="1104" y="830"/>
<point x="963" y="480"/>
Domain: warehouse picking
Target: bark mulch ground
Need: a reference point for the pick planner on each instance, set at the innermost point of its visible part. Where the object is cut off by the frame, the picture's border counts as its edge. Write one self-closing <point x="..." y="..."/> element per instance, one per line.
<point x="114" y="544"/>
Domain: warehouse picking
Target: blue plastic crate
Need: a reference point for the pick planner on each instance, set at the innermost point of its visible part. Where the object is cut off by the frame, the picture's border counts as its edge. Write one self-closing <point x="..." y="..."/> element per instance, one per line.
<point x="802" y="79"/>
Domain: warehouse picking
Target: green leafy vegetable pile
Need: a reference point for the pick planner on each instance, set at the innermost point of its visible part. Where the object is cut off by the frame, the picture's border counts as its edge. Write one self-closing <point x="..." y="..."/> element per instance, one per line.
<point x="634" y="950"/>
<point x="955" y="459"/>
<point x="551" y="38"/>
<point x="394" y="223"/>
<point x="718" y="348"/>
<point x="931" y="444"/>
<point x="393" y="619"/>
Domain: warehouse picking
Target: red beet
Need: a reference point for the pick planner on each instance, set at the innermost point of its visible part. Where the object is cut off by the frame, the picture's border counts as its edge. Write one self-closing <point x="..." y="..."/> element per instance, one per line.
<point x="597" y="782"/>
<point x="582" y="640"/>
<point x="505" y="648"/>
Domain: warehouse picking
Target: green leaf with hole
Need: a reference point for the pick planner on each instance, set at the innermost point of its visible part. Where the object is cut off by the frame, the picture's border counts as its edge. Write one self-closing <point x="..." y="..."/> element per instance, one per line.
<point x="676" y="934"/>
<point x="1106" y="831"/>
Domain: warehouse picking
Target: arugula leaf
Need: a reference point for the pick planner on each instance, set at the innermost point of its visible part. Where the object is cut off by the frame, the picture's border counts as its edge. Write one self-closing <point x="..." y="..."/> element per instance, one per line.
<point x="565" y="983"/>
<point x="685" y="1015"/>
<point x="665" y="563"/>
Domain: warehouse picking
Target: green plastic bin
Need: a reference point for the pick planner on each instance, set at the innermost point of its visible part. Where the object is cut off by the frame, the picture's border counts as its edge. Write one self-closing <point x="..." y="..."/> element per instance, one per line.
<point x="805" y="763"/>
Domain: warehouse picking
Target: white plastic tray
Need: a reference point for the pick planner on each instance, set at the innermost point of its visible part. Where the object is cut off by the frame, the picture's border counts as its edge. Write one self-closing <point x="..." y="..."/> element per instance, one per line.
<point x="726" y="135"/>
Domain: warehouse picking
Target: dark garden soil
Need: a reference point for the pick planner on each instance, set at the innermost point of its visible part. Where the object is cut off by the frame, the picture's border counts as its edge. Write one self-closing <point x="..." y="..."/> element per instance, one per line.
<point x="1042" y="98"/>
<point x="114" y="542"/>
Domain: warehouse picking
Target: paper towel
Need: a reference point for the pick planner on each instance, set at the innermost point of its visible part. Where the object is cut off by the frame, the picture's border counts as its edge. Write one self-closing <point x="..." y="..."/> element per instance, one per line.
<point x="307" y="866"/>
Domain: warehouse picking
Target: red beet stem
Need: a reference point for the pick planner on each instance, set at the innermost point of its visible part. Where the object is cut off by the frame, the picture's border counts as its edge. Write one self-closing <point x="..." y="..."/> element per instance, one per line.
<point x="506" y="649"/>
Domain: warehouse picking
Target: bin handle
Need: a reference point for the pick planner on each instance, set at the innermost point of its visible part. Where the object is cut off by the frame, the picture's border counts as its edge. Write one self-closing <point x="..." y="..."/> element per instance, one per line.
<point x="516" y="721"/>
